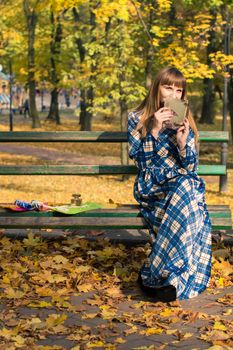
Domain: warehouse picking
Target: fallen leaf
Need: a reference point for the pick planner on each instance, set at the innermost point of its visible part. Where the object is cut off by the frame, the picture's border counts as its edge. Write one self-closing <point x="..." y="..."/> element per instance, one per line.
<point x="227" y="312"/>
<point x="40" y="304"/>
<point x="89" y="315"/>
<point x="60" y="259"/>
<point x="120" y="340"/>
<point x="11" y="293"/>
<point x="114" y="292"/>
<point x="107" y="312"/>
<point x="171" y="331"/>
<point x="151" y="331"/>
<point x="166" y="312"/>
<point x="54" y="320"/>
<point x="84" y="287"/>
<point x="214" y="335"/>
<point x="96" y="344"/>
<point x="19" y="340"/>
<point x="218" y="325"/>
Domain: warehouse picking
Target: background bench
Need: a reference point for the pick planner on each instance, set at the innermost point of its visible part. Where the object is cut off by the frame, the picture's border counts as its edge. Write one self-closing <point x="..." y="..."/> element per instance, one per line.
<point x="125" y="217"/>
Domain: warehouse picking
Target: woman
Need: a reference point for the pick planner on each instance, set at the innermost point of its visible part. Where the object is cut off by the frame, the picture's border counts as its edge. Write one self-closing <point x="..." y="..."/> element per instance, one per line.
<point x="170" y="194"/>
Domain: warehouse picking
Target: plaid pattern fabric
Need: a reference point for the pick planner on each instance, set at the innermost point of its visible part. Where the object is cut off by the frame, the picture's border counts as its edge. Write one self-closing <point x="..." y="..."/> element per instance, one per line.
<point x="171" y="198"/>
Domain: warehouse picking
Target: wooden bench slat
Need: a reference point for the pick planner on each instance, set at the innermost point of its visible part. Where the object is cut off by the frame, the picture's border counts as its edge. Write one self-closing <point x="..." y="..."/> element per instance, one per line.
<point x="91" y="136"/>
<point x="214" y="136"/>
<point x="89" y="223"/>
<point x="93" y="170"/>
<point x="132" y="212"/>
<point x="101" y="218"/>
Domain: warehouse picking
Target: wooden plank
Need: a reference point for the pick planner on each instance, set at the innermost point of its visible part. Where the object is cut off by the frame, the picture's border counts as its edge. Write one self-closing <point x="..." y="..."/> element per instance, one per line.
<point x="207" y="170"/>
<point x="214" y="136"/>
<point x="91" y="136"/>
<point x="63" y="136"/>
<point x="90" y="222"/>
<point x="101" y="218"/>
<point x="98" y="213"/>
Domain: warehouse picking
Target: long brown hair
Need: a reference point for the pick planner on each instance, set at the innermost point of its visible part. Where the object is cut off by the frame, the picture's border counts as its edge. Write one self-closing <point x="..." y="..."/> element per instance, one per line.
<point x="151" y="103"/>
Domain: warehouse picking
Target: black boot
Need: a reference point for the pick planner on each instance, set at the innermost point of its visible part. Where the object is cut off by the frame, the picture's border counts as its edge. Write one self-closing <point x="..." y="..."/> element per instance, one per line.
<point x="165" y="293"/>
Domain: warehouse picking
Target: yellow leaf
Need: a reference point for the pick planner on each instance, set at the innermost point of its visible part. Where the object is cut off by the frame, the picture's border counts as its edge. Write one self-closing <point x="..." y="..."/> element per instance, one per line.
<point x="82" y="269"/>
<point x="139" y="304"/>
<point x="215" y="335"/>
<point x="218" y="325"/>
<point x="151" y="331"/>
<point x="75" y="348"/>
<point x="31" y="241"/>
<point x="120" y="340"/>
<point x="44" y="292"/>
<point x="221" y="282"/>
<point x="131" y="330"/>
<point x="18" y="340"/>
<point x="107" y="312"/>
<point x="89" y="316"/>
<point x="40" y="304"/>
<point x="6" y="279"/>
<point x="187" y="335"/>
<point x="8" y="333"/>
<point x="166" y="312"/>
<point x="228" y="312"/>
<point x="14" y="294"/>
<point x="171" y="331"/>
<point x="225" y="267"/>
<point x="114" y="292"/>
<point x="84" y="287"/>
<point x="174" y="319"/>
<point x="59" y="259"/>
<point x="55" y="320"/>
<point x="218" y="347"/>
<point x="96" y="344"/>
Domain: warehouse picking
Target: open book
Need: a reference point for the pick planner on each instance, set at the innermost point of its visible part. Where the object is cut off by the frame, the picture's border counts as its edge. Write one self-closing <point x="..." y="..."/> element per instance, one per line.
<point x="180" y="109"/>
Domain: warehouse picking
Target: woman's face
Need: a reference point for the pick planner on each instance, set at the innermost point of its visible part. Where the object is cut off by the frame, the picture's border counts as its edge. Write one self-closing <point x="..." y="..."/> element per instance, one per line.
<point x="170" y="90"/>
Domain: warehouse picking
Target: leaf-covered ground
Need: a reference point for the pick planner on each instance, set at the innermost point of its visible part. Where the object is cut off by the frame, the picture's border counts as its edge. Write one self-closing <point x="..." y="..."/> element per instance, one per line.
<point x="75" y="294"/>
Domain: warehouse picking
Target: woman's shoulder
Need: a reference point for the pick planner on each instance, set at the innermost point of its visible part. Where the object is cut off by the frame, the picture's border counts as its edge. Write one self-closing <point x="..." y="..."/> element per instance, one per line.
<point x="134" y="115"/>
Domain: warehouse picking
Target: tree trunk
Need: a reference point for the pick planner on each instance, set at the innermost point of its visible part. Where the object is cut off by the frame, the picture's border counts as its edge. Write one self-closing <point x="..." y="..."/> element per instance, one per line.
<point x="89" y="104"/>
<point x="82" y="108"/>
<point x="53" y="109"/>
<point x="124" y="145"/>
<point x="207" y="113"/>
<point x="123" y="99"/>
<point x="86" y="96"/>
<point x="230" y="102"/>
<point x="31" y="19"/>
<point x="149" y="52"/>
<point x="55" y="47"/>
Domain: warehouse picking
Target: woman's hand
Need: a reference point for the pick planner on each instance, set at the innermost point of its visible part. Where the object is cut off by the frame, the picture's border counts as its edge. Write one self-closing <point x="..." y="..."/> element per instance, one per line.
<point x="182" y="134"/>
<point x="161" y="116"/>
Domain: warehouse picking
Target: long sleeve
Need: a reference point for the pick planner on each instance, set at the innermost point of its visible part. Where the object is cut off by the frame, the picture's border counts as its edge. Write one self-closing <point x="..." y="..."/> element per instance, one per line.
<point x="140" y="150"/>
<point x="188" y="156"/>
<point x="152" y="156"/>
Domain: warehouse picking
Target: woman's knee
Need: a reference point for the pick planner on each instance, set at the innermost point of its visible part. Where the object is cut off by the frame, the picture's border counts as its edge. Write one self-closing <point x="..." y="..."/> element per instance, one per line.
<point x="183" y="183"/>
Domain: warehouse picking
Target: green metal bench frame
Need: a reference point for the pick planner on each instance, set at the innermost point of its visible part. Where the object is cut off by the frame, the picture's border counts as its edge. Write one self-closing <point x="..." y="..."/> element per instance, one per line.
<point x="127" y="216"/>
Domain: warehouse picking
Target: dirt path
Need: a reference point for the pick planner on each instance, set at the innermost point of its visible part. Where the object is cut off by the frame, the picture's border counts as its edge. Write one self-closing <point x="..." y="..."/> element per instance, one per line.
<point x="57" y="156"/>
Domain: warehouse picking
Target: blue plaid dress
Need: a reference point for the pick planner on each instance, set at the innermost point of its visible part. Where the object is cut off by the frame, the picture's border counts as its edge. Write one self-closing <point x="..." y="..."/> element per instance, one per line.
<point x="171" y="198"/>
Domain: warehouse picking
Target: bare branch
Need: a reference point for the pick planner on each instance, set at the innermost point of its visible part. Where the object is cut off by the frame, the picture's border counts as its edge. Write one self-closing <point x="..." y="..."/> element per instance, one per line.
<point x="142" y="21"/>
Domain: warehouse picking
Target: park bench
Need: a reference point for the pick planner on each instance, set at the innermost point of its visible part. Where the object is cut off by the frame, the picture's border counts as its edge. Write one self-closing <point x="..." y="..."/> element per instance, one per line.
<point x="124" y="217"/>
